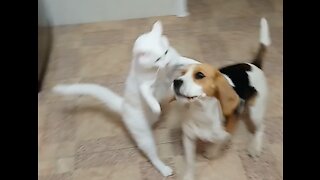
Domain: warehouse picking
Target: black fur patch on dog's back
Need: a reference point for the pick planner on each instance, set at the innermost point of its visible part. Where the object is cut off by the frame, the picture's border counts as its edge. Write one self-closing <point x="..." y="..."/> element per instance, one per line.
<point x="239" y="77"/>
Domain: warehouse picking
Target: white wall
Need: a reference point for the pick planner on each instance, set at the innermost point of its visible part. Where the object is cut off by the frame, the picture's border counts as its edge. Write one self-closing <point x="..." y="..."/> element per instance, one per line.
<point x="42" y="14"/>
<point x="63" y="12"/>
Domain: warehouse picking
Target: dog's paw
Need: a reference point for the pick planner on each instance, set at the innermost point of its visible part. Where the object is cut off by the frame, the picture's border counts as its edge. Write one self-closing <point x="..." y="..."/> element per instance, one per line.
<point x="166" y="171"/>
<point x="225" y="136"/>
<point x="220" y="136"/>
<point x="254" y="151"/>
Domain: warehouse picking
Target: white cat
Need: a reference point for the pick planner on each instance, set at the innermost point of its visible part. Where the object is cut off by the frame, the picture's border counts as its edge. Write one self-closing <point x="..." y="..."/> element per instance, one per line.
<point x="148" y="84"/>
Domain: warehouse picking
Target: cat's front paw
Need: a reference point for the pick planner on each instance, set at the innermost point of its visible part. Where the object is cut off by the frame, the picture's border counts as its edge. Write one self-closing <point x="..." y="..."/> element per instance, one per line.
<point x="166" y="171"/>
<point x="156" y="109"/>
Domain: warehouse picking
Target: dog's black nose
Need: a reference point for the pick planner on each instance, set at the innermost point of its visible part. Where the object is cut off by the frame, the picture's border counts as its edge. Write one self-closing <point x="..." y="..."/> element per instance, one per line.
<point x="177" y="83"/>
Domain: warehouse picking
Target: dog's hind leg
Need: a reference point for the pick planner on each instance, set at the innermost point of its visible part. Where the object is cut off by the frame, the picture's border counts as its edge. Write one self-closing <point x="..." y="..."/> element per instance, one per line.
<point x="256" y="113"/>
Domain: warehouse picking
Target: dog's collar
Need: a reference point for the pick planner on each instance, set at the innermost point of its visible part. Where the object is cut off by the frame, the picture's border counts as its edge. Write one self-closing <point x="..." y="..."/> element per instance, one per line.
<point x="162" y="55"/>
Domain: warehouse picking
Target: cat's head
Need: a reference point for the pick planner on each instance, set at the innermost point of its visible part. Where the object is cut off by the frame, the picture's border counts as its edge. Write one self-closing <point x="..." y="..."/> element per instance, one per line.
<point x="152" y="49"/>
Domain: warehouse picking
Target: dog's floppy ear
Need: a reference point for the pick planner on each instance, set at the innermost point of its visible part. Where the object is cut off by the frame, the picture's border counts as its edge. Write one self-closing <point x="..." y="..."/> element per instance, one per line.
<point x="227" y="96"/>
<point x="157" y="28"/>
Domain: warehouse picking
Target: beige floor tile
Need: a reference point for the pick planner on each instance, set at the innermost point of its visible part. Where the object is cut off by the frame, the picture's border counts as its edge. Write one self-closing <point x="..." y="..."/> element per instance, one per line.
<point x="113" y="172"/>
<point x="274" y="130"/>
<point x="95" y="122"/>
<point x="148" y="172"/>
<point x="273" y="64"/>
<point x="161" y="135"/>
<point x="277" y="38"/>
<point x="179" y="162"/>
<point x="65" y="165"/>
<point x="62" y="176"/>
<point x="213" y="49"/>
<point x="264" y="167"/>
<point x="232" y="8"/>
<point x="66" y="149"/>
<point x="166" y="150"/>
<point x="277" y="150"/>
<point x="60" y="126"/>
<point x="107" y="158"/>
<point x="278" y="5"/>
<point x="241" y="137"/>
<point x="241" y="45"/>
<point x="261" y="6"/>
<point x="51" y="151"/>
<point x="275" y="19"/>
<point x="103" y="38"/>
<point x="42" y="114"/>
<point x="227" y="167"/>
<point x="46" y="167"/>
<point x="182" y="45"/>
<point x="275" y="100"/>
<point x="59" y="52"/>
<point x="102" y="144"/>
<point x="63" y="64"/>
<point x="249" y="24"/>
<point x="112" y="61"/>
<point x="67" y="38"/>
<point x="66" y="31"/>
<point x="40" y="136"/>
<point x="47" y="152"/>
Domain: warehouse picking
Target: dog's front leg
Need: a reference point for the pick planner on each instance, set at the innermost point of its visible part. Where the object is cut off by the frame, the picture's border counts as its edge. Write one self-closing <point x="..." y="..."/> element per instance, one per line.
<point x="147" y="93"/>
<point x="189" y="151"/>
<point x="214" y="149"/>
<point x="220" y="138"/>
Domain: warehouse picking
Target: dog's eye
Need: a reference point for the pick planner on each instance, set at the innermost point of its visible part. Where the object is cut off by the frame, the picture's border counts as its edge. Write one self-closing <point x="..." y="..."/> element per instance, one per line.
<point x="166" y="52"/>
<point x="199" y="75"/>
<point x="158" y="59"/>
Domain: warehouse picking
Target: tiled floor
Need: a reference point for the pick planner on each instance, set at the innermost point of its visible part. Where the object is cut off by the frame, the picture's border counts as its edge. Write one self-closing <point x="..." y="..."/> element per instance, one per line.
<point x="80" y="140"/>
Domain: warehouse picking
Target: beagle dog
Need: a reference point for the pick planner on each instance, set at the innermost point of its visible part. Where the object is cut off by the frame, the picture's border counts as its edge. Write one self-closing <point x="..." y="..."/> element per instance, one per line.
<point x="212" y="99"/>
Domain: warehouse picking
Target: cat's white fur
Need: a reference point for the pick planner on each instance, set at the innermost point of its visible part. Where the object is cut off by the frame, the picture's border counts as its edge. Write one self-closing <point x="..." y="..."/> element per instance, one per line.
<point x="147" y="85"/>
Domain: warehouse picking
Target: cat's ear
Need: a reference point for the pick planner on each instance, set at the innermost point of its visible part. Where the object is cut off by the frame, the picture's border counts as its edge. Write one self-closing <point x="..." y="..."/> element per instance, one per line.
<point x="165" y="40"/>
<point x="157" y="28"/>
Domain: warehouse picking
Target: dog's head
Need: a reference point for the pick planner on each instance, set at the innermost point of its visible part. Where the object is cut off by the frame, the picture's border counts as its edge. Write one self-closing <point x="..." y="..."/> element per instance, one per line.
<point x="202" y="80"/>
<point x="152" y="49"/>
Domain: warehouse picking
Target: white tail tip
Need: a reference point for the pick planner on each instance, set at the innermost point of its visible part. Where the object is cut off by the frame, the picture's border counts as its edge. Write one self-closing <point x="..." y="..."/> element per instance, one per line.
<point x="264" y="32"/>
<point x="60" y="89"/>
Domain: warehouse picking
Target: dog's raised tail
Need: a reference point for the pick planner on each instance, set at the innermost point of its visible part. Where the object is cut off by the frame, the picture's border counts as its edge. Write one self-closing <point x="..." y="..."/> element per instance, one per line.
<point x="109" y="98"/>
<point x="264" y="43"/>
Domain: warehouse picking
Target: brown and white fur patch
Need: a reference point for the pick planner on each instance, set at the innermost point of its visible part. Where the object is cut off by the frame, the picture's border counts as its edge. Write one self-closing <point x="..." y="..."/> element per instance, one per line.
<point x="206" y="98"/>
<point x="210" y="99"/>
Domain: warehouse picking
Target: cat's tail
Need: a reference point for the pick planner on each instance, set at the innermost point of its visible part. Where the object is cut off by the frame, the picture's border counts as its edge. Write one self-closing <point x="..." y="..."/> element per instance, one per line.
<point x="109" y="98"/>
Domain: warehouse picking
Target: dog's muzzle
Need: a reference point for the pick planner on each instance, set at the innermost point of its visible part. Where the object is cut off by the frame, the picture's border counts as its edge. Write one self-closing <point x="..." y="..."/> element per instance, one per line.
<point x="177" y="83"/>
